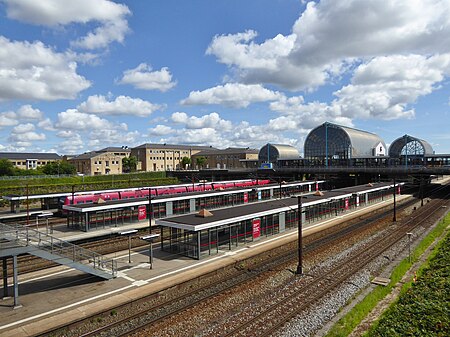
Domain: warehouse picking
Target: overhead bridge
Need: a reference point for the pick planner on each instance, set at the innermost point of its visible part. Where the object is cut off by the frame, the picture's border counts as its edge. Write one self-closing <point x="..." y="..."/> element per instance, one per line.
<point x="15" y="240"/>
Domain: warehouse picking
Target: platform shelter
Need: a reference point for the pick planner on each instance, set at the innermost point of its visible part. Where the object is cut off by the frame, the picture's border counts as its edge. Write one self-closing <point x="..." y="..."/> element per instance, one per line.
<point x="207" y="233"/>
<point x="118" y="212"/>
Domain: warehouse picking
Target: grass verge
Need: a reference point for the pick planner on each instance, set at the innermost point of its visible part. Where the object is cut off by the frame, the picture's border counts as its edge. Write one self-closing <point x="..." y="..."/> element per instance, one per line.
<point x="347" y="323"/>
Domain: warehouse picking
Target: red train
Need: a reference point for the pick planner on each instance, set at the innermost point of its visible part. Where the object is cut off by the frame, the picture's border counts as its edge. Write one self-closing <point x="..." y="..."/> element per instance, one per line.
<point x="120" y="195"/>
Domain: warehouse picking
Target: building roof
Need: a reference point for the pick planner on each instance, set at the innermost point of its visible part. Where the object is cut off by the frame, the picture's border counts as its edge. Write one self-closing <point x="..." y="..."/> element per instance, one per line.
<point x="415" y="146"/>
<point x="115" y="149"/>
<point x="29" y="155"/>
<point x="244" y="212"/>
<point x="230" y="150"/>
<point x="273" y="152"/>
<point x="173" y="147"/>
<point x="87" y="155"/>
<point x="340" y="140"/>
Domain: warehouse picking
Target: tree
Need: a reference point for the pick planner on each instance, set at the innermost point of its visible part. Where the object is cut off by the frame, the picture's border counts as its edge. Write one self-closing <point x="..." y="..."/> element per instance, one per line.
<point x="185" y="161"/>
<point x="58" y="167"/>
<point x="129" y="164"/>
<point x="200" y="161"/>
<point x="6" y="168"/>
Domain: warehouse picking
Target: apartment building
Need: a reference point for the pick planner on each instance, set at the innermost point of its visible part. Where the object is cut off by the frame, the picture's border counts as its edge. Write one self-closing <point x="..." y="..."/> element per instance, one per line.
<point x="164" y="157"/>
<point x="29" y="161"/>
<point x="104" y="161"/>
<point x="227" y="158"/>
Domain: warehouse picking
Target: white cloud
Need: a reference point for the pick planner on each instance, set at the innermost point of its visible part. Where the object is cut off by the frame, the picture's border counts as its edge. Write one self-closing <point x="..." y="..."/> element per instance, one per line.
<point x="160" y="130"/>
<point x="232" y="94"/>
<point x="142" y="77"/>
<point x="386" y="86"/>
<point x="71" y="145"/>
<point x="26" y="112"/>
<point x="67" y="134"/>
<point x="24" y="134"/>
<point x="212" y="120"/>
<point x="122" y="105"/>
<point x="111" y="17"/>
<point x="239" y="49"/>
<point x="46" y="124"/>
<point x="8" y="118"/>
<point x="305" y="116"/>
<point x="105" y="137"/>
<point x="330" y="37"/>
<point x="72" y="119"/>
<point x="33" y="71"/>
<point x="236" y="135"/>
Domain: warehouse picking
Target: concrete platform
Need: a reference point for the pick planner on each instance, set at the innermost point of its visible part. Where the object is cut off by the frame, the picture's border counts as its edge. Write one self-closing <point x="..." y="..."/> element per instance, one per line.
<point x="61" y="295"/>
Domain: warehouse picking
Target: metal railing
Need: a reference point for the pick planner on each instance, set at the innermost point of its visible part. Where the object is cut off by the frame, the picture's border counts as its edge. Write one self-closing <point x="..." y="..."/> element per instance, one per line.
<point x="24" y="236"/>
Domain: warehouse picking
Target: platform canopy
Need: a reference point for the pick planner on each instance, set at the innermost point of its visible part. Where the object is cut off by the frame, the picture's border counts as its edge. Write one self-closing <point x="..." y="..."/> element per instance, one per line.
<point x="410" y="146"/>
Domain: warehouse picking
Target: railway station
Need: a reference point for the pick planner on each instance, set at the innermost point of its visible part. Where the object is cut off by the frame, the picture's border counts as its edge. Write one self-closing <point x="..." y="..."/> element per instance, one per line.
<point x="207" y="232"/>
<point x="116" y="213"/>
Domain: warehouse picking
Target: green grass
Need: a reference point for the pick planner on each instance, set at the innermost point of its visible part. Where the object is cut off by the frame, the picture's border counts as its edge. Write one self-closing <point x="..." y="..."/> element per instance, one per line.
<point x="347" y="323"/>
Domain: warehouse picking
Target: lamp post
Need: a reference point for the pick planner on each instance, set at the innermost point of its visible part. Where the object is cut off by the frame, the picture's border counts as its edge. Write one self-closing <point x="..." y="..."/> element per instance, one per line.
<point x="149" y="239"/>
<point x="394" y="219"/>
<point x="299" y="237"/>
<point x="150" y="211"/>
<point x="28" y="208"/>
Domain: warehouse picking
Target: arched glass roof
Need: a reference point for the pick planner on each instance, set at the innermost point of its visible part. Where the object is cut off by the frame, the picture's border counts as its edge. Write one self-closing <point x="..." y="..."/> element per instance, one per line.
<point x="271" y="153"/>
<point x="410" y="146"/>
<point x="341" y="142"/>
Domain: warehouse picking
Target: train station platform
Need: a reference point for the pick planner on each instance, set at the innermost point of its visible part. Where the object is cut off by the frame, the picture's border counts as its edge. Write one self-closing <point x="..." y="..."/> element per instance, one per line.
<point x="61" y="295"/>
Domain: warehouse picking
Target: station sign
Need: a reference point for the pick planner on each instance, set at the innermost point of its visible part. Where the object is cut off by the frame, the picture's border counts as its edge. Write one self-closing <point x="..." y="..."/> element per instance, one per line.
<point x="142" y="212"/>
<point x="245" y="197"/>
<point x="259" y="195"/>
<point x="256" y="224"/>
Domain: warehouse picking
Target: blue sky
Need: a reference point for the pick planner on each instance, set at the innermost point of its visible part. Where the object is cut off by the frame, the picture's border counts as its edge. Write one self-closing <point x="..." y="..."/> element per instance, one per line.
<point x="81" y="75"/>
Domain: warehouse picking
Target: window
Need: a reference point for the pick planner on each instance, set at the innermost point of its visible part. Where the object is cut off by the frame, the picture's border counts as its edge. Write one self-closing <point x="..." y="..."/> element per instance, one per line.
<point x="107" y="162"/>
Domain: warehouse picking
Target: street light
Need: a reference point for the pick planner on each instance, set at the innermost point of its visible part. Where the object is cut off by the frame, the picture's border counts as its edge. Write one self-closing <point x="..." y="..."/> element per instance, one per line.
<point x="150" y="211"/>
<point x="129" y="233"/>
<point x="149" y="239"/>
<point x="299" y="237"/>
<point x="394" y="219"/>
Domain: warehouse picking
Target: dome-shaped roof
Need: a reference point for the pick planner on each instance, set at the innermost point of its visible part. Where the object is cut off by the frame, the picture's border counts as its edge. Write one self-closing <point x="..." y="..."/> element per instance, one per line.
<point x="410" y="146"/>
<point x="271" y="153"/>
<point x="342" y="142"/>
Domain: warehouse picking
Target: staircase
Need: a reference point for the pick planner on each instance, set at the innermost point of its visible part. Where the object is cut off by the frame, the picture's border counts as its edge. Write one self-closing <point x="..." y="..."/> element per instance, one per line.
<point x="59" y="251"/>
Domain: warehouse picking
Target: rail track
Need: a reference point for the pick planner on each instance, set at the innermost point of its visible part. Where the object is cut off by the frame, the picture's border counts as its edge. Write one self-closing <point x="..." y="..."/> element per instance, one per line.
<point x="299" y="297"/>
<point x="147" y="311"/>
<point x="306" y="294"/>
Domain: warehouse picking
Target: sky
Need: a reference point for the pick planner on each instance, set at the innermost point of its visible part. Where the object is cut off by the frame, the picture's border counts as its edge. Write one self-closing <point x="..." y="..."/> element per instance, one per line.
<point x="78" y="76"/>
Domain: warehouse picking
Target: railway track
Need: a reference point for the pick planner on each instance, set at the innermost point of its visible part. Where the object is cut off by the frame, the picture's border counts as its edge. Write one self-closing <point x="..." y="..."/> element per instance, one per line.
<point x="299" y="297"/>
<point x="306" y="295"/>
<point x="134" y="320"/>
